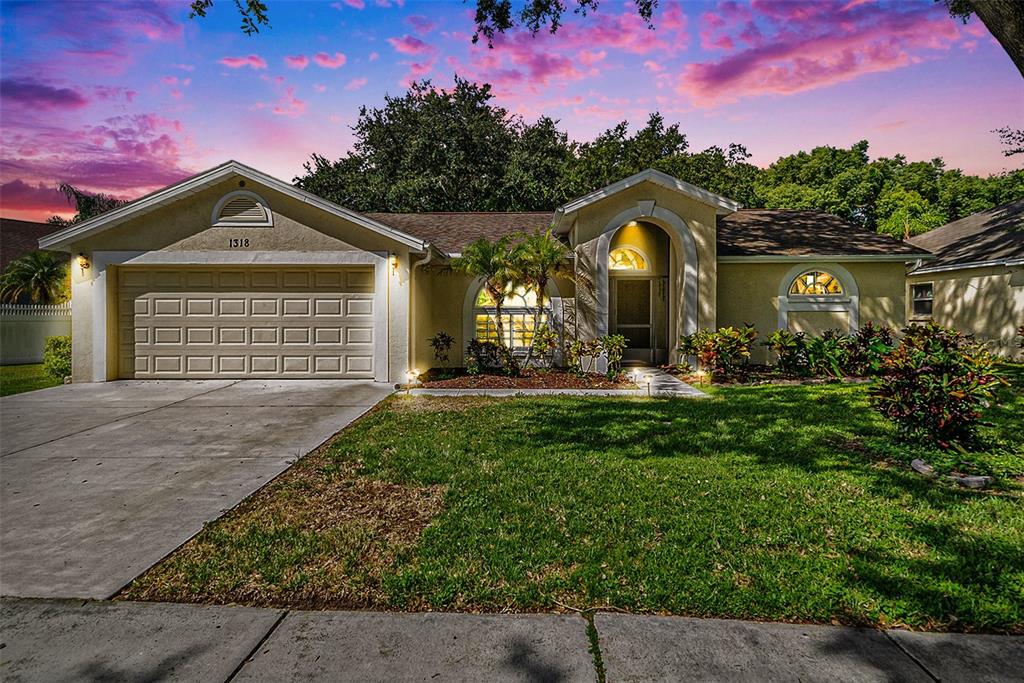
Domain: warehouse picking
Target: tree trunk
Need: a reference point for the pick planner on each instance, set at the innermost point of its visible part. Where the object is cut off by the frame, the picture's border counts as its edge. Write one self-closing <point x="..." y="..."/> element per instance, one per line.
<point x="536" y="322"/>
<point x="1005" y="20"/>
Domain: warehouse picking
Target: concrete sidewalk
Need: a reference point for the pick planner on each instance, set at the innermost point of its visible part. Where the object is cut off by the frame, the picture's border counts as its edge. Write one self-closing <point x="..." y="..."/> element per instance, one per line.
<point x="49" y="640"/>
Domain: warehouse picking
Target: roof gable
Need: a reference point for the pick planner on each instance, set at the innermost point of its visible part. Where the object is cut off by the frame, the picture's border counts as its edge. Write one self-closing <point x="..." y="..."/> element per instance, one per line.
<point x="995" y="236"/>
<point x="189" y="186"/>
<point x="723" y="205"/>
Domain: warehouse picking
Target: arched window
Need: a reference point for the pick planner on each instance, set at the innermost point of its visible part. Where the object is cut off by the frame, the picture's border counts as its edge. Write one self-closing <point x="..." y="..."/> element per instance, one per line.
<point x="242" y="209"/>
<point x="627" y="258"/>
<point x="816" y="283"/>
<point x="517" y="316"/>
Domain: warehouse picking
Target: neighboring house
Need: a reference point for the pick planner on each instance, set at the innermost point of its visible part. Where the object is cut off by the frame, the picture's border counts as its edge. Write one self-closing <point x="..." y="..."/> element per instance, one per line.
<point x="233" y="273"/>
<point x="976" y="281"/>
<point x="18" y="238"/>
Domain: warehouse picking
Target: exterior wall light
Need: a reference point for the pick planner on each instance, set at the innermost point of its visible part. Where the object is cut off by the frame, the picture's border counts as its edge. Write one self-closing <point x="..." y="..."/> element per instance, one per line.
<point x="394" y="264"/>
<point x="83" y="262"/>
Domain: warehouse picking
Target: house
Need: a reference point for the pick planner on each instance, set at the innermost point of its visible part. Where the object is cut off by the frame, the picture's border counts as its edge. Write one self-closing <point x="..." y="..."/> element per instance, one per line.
<point x="976" y="281"/>
<point x="233" y="273"/>
<point x="18" y="238"/>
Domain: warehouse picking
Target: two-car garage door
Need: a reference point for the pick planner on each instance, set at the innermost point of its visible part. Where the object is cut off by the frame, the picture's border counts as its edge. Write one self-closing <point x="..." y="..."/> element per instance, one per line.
<point x="247" y="322"/>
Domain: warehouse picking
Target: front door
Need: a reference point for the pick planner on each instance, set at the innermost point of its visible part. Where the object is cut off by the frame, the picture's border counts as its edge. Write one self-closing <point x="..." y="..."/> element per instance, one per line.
<point x="633" y="319"/>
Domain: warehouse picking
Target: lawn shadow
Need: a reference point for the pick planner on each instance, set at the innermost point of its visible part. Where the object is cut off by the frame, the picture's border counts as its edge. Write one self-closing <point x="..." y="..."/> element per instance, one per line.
<point x="529" y="665"/>
<point x="162" y="670"/>
<point x="778" y="427"/>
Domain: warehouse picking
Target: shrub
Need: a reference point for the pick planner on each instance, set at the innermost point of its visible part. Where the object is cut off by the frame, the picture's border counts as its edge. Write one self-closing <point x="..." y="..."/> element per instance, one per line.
<point x="545" y="341"/>
<point x="827" y="355"/>
<point x="866" y="348"/>
<point x="577" y="349"/>
<point x="723" y="353"/>
<point x="1020" y="334"/>
<point x="613" y="346"/>
<point x="791" y="349"/>
<point x="936" y="385"/>
<point x="57" y="357"/>
<point x="442" y="344"/>
<point x="482" y="355"/>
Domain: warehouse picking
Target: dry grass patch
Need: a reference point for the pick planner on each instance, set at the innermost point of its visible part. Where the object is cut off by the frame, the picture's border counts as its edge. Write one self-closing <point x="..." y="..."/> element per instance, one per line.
<point x="321" y="535"/>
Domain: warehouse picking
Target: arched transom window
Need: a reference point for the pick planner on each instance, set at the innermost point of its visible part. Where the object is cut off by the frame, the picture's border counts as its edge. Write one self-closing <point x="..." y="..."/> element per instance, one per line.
<point x="517" y="316"/>
<point x="816" y="283"/>
<point x="242" y="209"/>
<point x="626" y="258"/>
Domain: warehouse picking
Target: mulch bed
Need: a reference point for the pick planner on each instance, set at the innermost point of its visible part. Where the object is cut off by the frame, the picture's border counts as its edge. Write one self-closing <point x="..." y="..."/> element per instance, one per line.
<point x="530" y="379"/>
<point x="760" y="375"/>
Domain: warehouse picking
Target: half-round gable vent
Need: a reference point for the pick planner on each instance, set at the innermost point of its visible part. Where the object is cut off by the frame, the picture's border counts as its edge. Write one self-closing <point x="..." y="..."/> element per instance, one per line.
<point x="242" y="208"/>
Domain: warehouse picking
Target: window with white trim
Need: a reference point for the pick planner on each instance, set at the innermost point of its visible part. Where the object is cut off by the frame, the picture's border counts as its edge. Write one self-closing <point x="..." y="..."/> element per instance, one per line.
<point x="816" y="283"/>
<point x="517" y="316"/>
<point x="922" y="299"/>
<point x="242" y="209"/>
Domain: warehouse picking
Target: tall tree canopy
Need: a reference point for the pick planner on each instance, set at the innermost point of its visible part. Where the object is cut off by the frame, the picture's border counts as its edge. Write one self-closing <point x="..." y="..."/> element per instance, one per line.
<point x="444" y="150"/>
<point x="455" y="150"/>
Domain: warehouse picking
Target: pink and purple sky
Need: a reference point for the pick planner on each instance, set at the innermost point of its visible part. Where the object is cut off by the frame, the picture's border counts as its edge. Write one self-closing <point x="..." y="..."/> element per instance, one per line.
<point x="126" y="97"/>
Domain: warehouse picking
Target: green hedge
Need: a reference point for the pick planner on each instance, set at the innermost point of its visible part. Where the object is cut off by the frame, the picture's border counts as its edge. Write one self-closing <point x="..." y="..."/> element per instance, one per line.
<point x="57" y="357"/>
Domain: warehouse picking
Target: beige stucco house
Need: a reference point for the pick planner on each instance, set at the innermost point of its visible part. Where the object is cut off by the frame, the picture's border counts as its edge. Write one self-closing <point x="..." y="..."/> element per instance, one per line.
<point x="233" y="273"/>
<point x="976" y="282"/>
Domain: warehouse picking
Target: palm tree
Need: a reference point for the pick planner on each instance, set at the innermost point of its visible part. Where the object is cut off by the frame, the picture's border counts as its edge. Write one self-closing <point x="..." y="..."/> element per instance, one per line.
<point x="494" y="263"/>
<point x="87" y="205"/>
<point x="539" y="257"/>
<point x="39" y="276"/>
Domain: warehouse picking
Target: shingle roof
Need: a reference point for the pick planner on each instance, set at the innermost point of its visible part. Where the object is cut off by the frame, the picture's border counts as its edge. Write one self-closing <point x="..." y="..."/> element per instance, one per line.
<point x="993" y="235"/>
<point x="747" y="232"/>
<point x="18" y="238"/>
<point x="802" y="232"/>
<point x="452" y="231"/>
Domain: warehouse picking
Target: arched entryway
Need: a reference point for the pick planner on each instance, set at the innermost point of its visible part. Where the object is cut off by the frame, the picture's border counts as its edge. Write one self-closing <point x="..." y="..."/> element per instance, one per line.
<point x="646" y="281"/>
<point x="639" y="259"/>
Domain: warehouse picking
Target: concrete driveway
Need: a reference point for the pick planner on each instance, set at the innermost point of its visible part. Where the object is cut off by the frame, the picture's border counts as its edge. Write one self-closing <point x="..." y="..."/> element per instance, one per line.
<point x="100" y="481"/>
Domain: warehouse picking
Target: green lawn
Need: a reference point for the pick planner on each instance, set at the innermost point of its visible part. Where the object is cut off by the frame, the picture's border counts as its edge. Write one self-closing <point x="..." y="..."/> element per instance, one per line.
<point x="14" y="379"/>
<point x="783" y="503"/>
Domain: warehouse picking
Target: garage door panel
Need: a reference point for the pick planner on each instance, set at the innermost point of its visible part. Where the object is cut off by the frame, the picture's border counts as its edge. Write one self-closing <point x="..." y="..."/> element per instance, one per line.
<point x="233" y="324"/>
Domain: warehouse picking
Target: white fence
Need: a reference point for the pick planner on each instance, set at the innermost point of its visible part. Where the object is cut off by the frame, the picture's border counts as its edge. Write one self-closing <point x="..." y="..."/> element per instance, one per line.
<point x="24" y="329"/>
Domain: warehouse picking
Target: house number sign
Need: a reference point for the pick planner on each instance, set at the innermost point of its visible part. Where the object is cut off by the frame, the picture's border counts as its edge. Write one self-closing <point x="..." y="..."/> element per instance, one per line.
<point x="238" y="242"/>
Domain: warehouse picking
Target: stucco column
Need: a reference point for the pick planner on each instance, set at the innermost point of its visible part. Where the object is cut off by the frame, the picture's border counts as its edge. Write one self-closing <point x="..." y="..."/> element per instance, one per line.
<point x="399" y="285"/>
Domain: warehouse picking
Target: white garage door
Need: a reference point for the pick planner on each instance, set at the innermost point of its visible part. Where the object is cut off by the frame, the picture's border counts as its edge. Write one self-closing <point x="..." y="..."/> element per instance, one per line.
<point x="246" y="322"/>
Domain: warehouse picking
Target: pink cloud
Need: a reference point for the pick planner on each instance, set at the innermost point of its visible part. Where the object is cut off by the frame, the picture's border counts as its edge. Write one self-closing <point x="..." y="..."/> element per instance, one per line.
<point x="319" y="87"/>
<point x="653" y="66"/>
<point x="672" y="18"/>
<point x="27" y="92"/>
<point x="169" y="80"/>
<point x="114" y="93"/>
<point x="125" y="156"/>
<point x="813" y="45"/>
<point x="410" y="45"/>
<point x="328" y="62"/>
<point x="373" y="57"/>
<point x="354" y="4"/>
<point x="356" y="83"/>
<point x="588" y="58"/>
<point x="31" y="202"/>
<point x="253" y="61"/>
<point x="184" y="67"/>
<point x="299" y="62"/>
<point x="421" y="24"/>
<point x="290" y="105"/>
